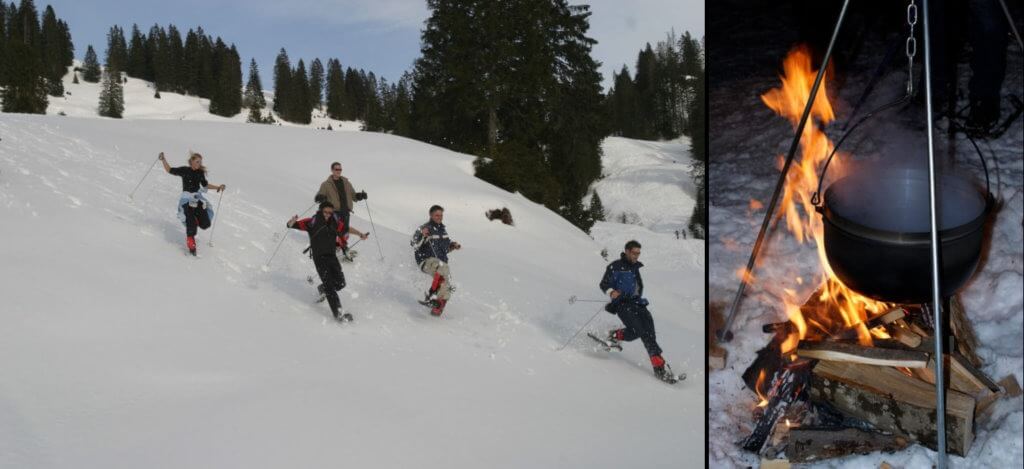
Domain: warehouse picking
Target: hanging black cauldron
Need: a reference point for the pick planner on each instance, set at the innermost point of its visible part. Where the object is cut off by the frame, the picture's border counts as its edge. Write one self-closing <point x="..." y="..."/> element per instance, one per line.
<point x="877" y="233"/>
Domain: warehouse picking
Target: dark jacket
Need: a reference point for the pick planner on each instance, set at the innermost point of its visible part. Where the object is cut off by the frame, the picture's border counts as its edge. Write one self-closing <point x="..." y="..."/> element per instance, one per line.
<point x="624" y="276"/>
<point x="436" y="244"/>
<point x="322" y="235"/>
<point x="191" y="179"/>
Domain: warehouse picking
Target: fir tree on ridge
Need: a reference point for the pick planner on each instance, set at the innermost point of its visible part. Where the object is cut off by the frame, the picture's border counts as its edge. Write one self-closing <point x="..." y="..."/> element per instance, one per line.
<point x="91" y="66"/>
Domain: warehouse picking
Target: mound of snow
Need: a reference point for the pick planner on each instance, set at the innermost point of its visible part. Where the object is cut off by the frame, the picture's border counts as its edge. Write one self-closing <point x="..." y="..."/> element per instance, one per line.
<point x="120" y="349"/>
<point x="647" y="183"/>
<point x="82" y="100"/>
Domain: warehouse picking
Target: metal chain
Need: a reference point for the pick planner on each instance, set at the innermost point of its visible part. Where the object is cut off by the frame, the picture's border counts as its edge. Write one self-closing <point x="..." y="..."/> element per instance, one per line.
<point x="911" y="46"/>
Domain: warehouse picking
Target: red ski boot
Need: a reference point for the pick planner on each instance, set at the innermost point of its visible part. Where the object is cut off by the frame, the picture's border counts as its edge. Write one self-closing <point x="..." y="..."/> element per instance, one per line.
<point x="191" y="243"/>
<point x="438" y="307"/>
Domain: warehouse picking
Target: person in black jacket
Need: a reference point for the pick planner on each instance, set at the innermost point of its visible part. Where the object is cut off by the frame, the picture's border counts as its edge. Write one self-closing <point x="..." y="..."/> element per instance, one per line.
<point x="432" y="245"/>
<point x="323" y="228"/>
<point x="193" y="208"/>
<point x="624" y="285"/>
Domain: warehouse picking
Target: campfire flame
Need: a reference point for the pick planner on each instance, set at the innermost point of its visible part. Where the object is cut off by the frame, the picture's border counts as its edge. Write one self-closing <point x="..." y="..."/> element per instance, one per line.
<point x="759" y="388"/>
<point x="817" y="319"/>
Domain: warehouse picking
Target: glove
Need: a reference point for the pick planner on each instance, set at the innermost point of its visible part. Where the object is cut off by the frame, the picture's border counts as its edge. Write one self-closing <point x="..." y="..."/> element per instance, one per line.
<point x="320" y="198"/>
<point x="361" y="195"/>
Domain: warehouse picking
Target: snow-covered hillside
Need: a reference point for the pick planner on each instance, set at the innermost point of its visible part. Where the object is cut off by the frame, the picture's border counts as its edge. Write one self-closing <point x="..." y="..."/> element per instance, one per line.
<point x="647" y="183"/>
<point x="119" y="350"/>
<point x="82" y="99"/>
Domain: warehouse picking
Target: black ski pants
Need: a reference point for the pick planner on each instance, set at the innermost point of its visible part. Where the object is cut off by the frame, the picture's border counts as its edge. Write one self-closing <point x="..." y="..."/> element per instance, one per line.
<point x="195" y="217"/>
<point x="329" y="270"/>
<point x="639" y="325"/>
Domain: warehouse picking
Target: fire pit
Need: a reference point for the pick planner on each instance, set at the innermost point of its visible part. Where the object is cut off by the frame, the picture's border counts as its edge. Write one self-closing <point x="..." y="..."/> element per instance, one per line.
<point x="831" y="396"/>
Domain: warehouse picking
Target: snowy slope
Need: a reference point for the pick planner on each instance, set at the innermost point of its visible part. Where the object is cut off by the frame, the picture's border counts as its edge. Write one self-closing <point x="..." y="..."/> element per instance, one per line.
<point x="82" y="99"/>
<point x="119" y="350"/>
<point x="647" y="182"/>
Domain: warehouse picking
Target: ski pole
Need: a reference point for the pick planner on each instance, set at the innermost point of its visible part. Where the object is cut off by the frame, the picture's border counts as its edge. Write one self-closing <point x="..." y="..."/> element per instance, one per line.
<point x="372" y="226"/>
<point x="131" y="196"/>
<point x="216" y="215"/>
<point x="283" y="236"/>
<point x="725" y="333"/>
<point x="584" y="326"/>
<point x="573" y="299"/>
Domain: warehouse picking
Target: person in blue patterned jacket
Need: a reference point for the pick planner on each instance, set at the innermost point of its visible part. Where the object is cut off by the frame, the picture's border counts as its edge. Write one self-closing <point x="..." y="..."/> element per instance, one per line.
<point x="624" y="285"/>
<point x="432" y="245"/>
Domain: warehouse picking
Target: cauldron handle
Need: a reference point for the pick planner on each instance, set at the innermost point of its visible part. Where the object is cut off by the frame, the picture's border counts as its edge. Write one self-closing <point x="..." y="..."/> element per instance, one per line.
<point x="816" y="197"/>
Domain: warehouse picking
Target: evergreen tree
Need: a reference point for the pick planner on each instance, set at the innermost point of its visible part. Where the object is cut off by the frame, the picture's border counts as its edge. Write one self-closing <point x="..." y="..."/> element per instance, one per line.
<point x="282" y="83"/>
<point x="645" y="85"/>
<point x="596" y="208"/>
<point x="316" y="83"/>
<point x="91" y="67"/>
<point x="373" y="119"/>
<point x="299" y="108"/>
<point x="226" y="99"/>
<point x="403" y="106"/>
<point x="698" y="225"/>
<point x="158" y="66"/>
<point x="174" y="60"/>
<point x="136" y="66"/>
<point x="529" y="104"/>
<point x="254" y="88"/>
<point x="335" y="91"/>
<point x="112" y="95"/>
<point x="25" y="85"/>
<point x="3" y="43"/>
<point x="117" y="49"/>
<point x="354" y="93"/>
<point x="53" y="52"/>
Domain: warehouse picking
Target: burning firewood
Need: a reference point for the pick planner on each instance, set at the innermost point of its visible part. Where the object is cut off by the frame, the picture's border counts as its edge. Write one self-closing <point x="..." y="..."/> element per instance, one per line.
<point x="854" y="353"/>
<point x="814" y="444"/>
<point x="894" y="402"/>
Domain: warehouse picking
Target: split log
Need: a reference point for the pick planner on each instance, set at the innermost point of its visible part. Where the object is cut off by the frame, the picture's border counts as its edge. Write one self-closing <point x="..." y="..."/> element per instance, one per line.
<point x="717" y="357"/>
<point x="903" y="334"/>
<point x="775" y="464"/>
<point x="1010" y="386"/>
<point x="962" y="375"/>
<point x="966" y="340"/>
<point x="853" y="353"/>
<point x="815" y="444"/>
<point x="894" y="402"/>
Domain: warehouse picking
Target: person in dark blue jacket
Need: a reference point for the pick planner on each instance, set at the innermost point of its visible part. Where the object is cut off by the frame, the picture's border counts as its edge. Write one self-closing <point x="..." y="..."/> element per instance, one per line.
<point x="624" y="285"/>
<point x="432" y="245"/>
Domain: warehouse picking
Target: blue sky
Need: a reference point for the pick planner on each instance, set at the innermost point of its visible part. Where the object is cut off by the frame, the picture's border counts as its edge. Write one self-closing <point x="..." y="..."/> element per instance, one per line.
<point x="377" y="35"/>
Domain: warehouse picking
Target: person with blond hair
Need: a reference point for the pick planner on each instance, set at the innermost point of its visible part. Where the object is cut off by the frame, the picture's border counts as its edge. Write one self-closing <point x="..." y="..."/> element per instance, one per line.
<point x="194" y="210"/>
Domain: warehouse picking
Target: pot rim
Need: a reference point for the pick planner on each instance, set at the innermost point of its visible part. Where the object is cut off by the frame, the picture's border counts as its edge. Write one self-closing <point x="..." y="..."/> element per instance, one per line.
<point x="859" y="230"/>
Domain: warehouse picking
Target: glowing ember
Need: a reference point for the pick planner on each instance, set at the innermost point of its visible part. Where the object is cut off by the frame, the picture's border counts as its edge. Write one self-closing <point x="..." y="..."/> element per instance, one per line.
<point x="819" y="318"/>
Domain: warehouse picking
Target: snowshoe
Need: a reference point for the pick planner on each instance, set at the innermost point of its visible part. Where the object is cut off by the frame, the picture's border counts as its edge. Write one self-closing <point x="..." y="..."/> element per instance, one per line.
<point x="429" y="299"/>
<point x="321" y="294"/>
<point x="665" y="374"/>
<point x="349" y="255"/>
<point x="608" y="345"/>
<point x="347" y="317"/>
